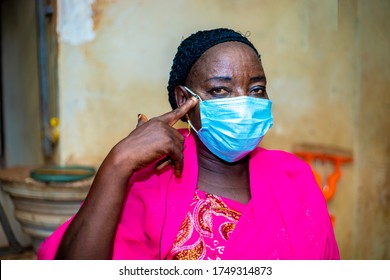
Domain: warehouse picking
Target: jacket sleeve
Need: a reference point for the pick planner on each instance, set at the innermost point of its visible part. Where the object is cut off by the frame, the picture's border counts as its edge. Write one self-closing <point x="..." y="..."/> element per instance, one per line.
<point x="47" y="250"/>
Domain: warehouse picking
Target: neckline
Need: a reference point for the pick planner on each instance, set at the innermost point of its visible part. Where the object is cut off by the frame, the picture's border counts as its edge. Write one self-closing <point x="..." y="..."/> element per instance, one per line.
<point x="231" y="203"/>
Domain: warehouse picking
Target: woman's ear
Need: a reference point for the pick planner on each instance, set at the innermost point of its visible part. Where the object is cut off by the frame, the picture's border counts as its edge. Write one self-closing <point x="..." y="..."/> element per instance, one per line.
<point x="181" y="95"/>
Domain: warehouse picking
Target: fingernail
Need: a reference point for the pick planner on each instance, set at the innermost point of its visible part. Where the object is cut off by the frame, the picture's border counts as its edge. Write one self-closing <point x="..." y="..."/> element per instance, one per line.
<point x="139" y="116"/>
<point x="194" y="98"/>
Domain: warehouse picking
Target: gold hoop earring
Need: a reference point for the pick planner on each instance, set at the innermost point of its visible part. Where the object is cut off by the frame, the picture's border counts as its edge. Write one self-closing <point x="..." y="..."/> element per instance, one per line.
<point x="188" y="126"/>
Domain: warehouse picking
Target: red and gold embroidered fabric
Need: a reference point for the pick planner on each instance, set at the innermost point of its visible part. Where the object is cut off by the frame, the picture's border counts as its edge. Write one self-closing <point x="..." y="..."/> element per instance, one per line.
<point x="207" y="227"/>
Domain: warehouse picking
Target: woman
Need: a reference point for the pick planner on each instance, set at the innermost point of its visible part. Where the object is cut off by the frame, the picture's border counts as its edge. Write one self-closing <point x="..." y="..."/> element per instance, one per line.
<point x="205" y="193"/>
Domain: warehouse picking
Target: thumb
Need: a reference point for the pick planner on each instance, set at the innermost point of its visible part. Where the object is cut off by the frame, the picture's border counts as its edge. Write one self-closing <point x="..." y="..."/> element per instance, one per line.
<point x="141" y="119"/>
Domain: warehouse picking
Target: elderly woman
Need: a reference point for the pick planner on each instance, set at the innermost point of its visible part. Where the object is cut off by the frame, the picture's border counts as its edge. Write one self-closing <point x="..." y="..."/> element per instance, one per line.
<point x="208" y="192"/>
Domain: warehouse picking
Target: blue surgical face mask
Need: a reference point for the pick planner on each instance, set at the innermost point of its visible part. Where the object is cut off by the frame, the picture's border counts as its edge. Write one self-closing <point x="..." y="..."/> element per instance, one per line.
<point x="233" y="127"/>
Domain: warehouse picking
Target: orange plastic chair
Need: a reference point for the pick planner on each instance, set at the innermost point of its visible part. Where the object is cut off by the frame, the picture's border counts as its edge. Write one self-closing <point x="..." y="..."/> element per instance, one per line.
<point x="336" y="157"/>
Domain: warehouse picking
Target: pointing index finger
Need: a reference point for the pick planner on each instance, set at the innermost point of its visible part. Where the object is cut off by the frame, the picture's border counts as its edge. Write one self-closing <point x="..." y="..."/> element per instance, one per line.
<point x="172" y="117"/>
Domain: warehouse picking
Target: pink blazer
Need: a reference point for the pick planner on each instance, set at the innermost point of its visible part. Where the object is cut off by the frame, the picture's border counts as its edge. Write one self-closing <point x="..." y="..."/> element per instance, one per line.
<point x="286" y="218"/>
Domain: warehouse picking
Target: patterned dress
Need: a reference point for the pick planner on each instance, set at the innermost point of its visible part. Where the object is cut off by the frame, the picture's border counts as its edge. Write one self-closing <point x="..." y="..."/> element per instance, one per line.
<point x="207" y="227"/>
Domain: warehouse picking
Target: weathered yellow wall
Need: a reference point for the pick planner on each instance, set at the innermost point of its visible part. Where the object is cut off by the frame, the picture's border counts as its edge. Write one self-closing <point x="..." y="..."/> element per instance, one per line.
<point x="372" y="125"/>
<point x="327" y="64"/>
<point x="20" y="100"/>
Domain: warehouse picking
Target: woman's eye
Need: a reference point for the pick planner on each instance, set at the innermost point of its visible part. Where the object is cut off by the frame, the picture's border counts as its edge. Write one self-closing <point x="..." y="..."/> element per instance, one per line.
<point x="219" y="91"/>
<point x="258" y="91"/>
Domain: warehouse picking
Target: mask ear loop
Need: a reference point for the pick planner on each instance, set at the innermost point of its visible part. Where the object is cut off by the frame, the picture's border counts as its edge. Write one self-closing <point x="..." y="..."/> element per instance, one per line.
<point x="192" y="93"/>
<point x="189" y="124"/>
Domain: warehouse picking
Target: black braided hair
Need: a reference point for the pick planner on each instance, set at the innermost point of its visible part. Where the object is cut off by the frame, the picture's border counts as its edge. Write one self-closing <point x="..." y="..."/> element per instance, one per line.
<point x="191" y="49"/>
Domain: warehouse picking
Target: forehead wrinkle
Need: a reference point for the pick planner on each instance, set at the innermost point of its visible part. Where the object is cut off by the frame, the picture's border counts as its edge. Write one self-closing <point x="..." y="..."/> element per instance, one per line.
<point x="229" y="60"/>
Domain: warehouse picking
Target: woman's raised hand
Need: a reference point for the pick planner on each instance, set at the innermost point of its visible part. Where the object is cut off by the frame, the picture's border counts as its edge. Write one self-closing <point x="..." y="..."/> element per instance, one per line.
<point x="153" y="140"/>
<point x="150" y="141"/>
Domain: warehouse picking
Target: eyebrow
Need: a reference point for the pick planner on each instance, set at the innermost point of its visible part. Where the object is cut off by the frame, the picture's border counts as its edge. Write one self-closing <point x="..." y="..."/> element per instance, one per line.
<point x="228" y="79"/>
<point x="219" y="78"/>
<point x="258" y="79"/>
